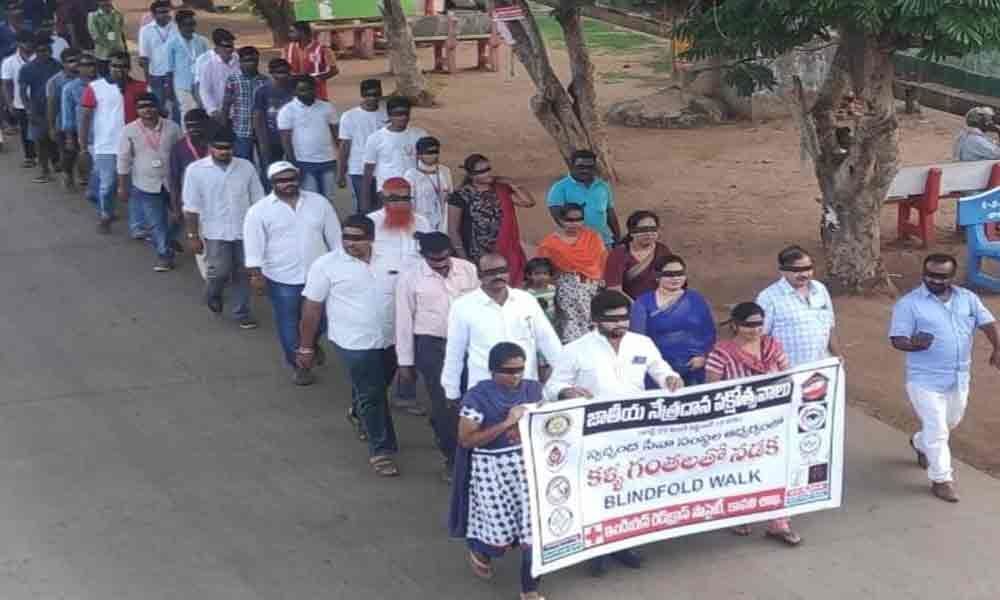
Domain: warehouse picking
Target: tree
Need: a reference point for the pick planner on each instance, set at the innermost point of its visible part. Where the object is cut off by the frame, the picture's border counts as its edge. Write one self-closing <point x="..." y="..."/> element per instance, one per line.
<point x="570" y="114"/>
<point x="854" y="172"/>
<point x="278" y="16"/>
<point x="410" y="80"/>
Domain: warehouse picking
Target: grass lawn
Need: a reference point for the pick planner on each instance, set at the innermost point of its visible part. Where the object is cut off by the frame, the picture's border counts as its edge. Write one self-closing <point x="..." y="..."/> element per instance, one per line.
<point x="601" y="36"/>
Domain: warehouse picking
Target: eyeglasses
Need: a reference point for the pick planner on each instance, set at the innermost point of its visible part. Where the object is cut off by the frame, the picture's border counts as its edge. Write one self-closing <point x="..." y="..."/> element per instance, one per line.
<point x="395" y="198"/>
<point x="480" y="171"/>
<point x="354" y="237"/>
<point x="118" y="66"/>
<point x="222" y="146"/>
<point x="638" y="230"/>
<point x="572" y="219"/>
<point x="509" y="370"/>
<point x="429" y="153"/>
<point x="680" y="273"/>
<point x="226" y="46"/>
<point x="144" y="106"/>
<point x="791" y="269"/>
<point x="279" y="180"/>
<point x="938" y="276"/>
<point x="484" y="273"/>
<point x="750" y="324"/>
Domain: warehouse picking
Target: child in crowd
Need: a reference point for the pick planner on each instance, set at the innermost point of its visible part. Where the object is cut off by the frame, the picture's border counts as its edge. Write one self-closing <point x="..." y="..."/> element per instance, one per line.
<point x="538" y="276"/>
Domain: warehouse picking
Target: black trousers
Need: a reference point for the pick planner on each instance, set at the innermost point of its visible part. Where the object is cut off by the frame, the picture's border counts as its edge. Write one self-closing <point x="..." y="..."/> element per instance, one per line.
<point x="429" y="359"/>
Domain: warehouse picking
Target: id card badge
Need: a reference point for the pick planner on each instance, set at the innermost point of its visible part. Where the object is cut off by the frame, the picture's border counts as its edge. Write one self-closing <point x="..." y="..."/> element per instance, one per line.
<point x="157" y="163"/>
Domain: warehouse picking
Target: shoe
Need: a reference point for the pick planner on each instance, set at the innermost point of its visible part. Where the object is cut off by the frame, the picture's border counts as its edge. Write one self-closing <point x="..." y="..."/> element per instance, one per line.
<point x="248" y="323"/>
<point x="163" y="265"/>
<point x="303" y="377"/>
<point x="598" y="567"/>
<point x="104" y="226"/>
<point x="629" y="558"/>
<point x="921" y="457"/>
<point x="214" y="305"/>
<point x="945" y="490"/>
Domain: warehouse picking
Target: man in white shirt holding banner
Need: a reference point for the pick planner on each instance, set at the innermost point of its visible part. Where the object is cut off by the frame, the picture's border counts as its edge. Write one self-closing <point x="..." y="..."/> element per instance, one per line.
<point x="609" y="361"/>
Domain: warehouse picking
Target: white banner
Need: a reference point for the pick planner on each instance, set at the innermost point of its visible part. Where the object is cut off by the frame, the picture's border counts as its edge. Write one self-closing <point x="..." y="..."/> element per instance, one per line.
<point x="609" y="474"/>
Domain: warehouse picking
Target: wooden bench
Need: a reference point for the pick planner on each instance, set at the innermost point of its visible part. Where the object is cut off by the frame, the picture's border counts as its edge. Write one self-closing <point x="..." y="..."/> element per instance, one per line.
<point x="363" y="33"/>
<point x="917" y="192"/>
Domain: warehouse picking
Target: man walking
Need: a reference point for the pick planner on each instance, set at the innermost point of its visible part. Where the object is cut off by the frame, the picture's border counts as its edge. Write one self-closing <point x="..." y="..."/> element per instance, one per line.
<point x="153" y="38"/>
<point x="582" y="186"/>
<point x="32" y="80"/>
<point x="267" y="102"/>
<point x="390" y="151"/>
<point x="107" y="104"/>
<point x="492" y="314"/>
<point x="212" y="70"/>
<point x="935" y="325"/>
<point x="308" y="128"/>
<point x="11" y="71"/>
<point x="53" y="98"/>
<point x="190" y="148"/>
<point x="283" y="235"/>
<point x="69" y="118"/>
<point x="308" y="56"/>
<point x="237" y="101"/>
<point x="798" y="310"/>
<point x="609" y="361"/>
<point x="357" y="288"/>
<point x="107" y="27"/>
<point x="217" y="192"/>
<point x="144" y="158"/>
<point x="396" y="223"/>
<point x="424" y="295"/>
<point x="356" y="126"/>
<point x="431" y="184"/>
<point x="182" y="50"/>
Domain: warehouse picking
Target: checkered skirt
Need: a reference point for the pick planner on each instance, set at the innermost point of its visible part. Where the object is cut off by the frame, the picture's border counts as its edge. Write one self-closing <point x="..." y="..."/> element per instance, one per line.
<point x="499" y="509"/>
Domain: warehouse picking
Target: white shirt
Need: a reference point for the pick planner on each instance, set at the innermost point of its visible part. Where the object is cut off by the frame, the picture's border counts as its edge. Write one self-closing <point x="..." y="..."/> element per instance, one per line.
<point x="429" y="193"/>
<point x="357" y="125"/>
<point x="220" y="196"/>
<point x="109" y="117"/>
<point x="57" y="45"/>
<point x="591" y="362"/>
<point x="392" y="152"/>
<point x="283" y="241"/>
<point x="802" y="325"/>
<point x="312" y="140"/>
<point x="359" y="297"/>
<point x="399" y="247"/>
<point x="9" y="71"/>
<point x="476" y="323"/>
<point x="210" y="73"/>
<point x="152" y="43"/>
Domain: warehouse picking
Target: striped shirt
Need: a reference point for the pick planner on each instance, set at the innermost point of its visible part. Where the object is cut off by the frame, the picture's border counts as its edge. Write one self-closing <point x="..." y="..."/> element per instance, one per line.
<point x="729" y="361"/>
<point x="240" y="89"/>
<point x="802" y="325"/>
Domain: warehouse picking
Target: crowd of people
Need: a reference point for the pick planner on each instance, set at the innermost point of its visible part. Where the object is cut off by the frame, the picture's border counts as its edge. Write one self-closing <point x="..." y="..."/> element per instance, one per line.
<point x="422" y="278"/>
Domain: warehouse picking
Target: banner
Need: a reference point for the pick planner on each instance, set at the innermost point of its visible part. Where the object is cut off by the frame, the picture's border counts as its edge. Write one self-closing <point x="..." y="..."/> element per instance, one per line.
<point x="609" y="474"/>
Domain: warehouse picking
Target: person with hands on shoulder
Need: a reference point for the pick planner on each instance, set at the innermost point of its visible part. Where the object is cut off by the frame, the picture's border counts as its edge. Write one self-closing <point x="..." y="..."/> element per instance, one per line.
<point x="609" y="361"/>
<point x="935" y="325"/>
<point x="490" y="508"/>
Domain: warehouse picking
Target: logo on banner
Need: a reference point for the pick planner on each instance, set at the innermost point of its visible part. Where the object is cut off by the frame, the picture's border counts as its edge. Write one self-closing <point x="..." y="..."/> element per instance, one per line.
<point x="558" y="490"/>
<point x="814" y="389"/>
<point x="558" y="425"/>
<point x="556" y="455"/>
<point x="810" y="444"/>
<point x="812" y="417"/>
<point x="560" y="521"/>
<point x="593" y="535"/>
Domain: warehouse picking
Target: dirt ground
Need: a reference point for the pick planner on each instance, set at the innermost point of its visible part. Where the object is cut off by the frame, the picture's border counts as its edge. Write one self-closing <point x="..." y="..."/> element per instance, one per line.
<point x="730" y="197"/>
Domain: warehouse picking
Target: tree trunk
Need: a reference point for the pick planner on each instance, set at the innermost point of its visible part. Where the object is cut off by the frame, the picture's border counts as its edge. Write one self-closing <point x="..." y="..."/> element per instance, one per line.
<point x="570" y="116"/>
<point x="278" y="16"/>
<point x="410" y="80"/>
<point x="854" y="179"/>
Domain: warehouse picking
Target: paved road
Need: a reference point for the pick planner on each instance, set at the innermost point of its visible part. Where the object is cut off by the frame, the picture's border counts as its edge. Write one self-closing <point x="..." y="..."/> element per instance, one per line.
<point x="150" y="450"/>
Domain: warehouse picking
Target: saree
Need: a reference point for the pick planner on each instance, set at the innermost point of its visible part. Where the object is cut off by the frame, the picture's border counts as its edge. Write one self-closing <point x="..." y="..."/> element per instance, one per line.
<point x="580" y="265"/>
<point x="634" y="277"/>
<point x="681" y="331"/>
<point x="509" y="239"/>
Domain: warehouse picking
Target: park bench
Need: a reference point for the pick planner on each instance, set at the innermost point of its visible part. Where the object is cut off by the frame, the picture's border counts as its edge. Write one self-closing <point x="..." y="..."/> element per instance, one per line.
<point x="917" y="191"/>
<point x="363" y="32"/>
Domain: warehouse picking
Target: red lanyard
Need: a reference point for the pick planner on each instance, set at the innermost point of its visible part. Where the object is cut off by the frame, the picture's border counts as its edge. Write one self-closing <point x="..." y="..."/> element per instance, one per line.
<point x="194" y="151"/>
<point x="152" y="139"/>
<point x="436" y="182"/>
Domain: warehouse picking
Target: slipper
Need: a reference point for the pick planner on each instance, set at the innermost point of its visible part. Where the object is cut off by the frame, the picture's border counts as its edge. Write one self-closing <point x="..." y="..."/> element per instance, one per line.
<point x="41" y="179"/>
<point x="785" y="536"/>
<point x="532" y="596"/>
<point x="384" y="466"/>
<point x="741" y="530"/>
<point x="480" y="568"/>
<point x="356" y="425"/>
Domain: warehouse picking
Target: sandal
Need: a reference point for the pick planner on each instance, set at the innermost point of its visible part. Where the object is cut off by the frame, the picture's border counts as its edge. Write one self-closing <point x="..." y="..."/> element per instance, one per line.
<point x="356" y="425"/>
<point x="785" y="536"/>
<point x="482" y="569"/>
<point x="741" y="530"/>
<point x="41" y="179"/>
<point x="532" y="596"/>
<point x="384" y="466"/>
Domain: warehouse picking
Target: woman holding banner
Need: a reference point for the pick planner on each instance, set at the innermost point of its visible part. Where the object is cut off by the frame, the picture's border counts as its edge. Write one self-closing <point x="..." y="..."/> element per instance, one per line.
<point x="750" y="352"/>
<point x="489" y="497"/>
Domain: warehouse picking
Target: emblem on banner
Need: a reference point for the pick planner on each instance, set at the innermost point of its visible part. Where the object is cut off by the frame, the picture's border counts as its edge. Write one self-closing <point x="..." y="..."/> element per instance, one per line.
<point x="814" y="389"/>
<point x="593" y="535"/>
<point x="558" y="490"/>
<point x="558" y="425"/>
<point x="560" y="521"/>
<point x="812" y="417"/>
<point x="556" y="455"/>
<point x="810" y="444"/>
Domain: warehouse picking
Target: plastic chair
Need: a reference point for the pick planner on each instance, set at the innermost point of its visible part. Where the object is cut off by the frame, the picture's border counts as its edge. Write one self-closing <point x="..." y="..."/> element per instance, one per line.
<point x="979" y="215"/>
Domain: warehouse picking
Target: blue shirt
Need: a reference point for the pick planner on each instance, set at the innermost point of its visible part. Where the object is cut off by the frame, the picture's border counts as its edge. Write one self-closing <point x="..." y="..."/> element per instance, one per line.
<point x="181" y="54"/>
<point x="953" y="324"/>
<point x="34" y="76"/>
<point x="69" y="113"/>
<point x="596" y="199"/>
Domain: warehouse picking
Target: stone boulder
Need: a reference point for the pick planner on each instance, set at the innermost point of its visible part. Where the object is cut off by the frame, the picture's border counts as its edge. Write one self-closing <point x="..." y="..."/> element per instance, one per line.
<point x="667" y="110"/>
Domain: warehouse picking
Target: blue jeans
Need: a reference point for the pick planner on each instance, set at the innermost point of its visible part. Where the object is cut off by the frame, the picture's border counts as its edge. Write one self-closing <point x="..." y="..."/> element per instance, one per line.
<point x="243" y="148"/>
<point x="224" y="263"/>
<point x="153" y="209"/>
<point x="357" y="185"/>
<point x="319" y="177"/>
<point x="103" y="185"/>
<point x="286" y="300"/>
<point x="160" y="85"/>
<point x="371" y="373"/>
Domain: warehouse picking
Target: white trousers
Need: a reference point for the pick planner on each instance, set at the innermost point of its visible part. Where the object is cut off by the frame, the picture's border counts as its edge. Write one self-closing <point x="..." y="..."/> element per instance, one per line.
<point x="939" y="413"/>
